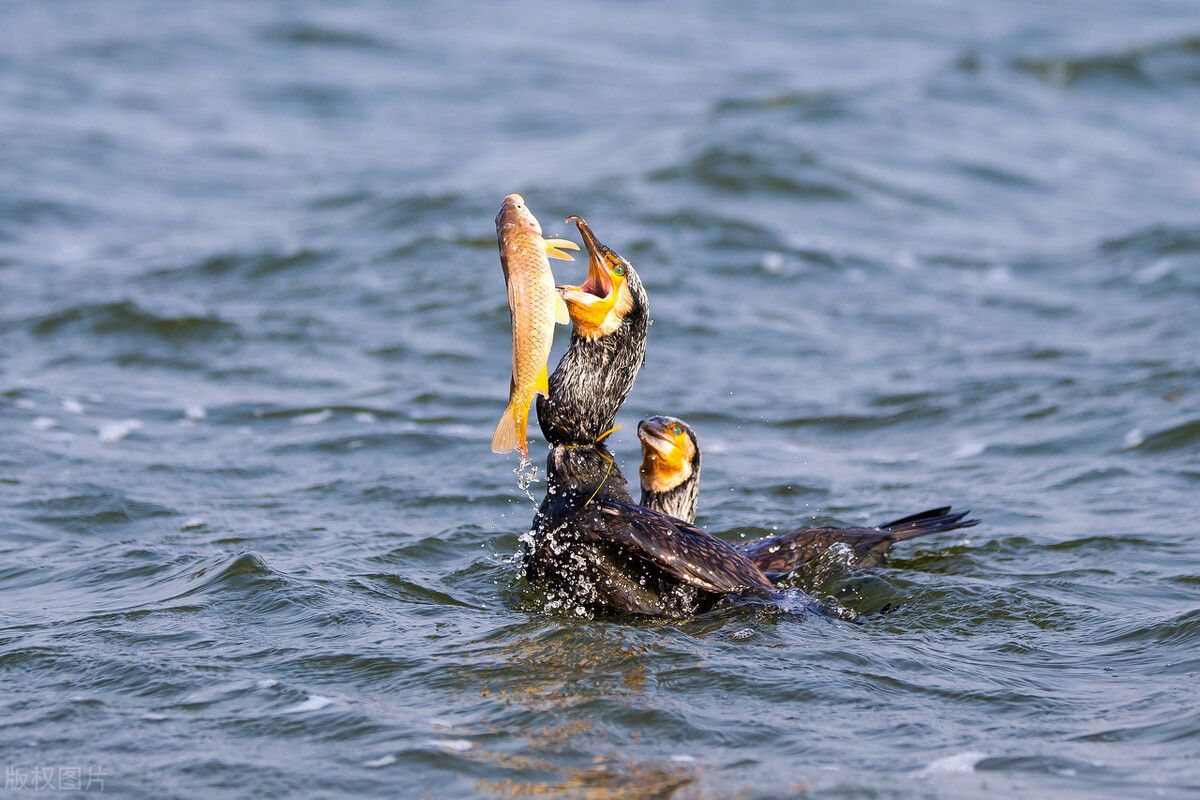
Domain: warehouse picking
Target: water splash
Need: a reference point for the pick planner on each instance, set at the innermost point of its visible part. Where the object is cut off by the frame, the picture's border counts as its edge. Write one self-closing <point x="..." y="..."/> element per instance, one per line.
<point x="527" y="475"/>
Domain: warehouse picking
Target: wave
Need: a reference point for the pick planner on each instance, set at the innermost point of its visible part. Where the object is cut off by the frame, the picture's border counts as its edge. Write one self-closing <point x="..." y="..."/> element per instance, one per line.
<point x="815" y="106"/>
<point x="91" y="507"/>
<point x="796" y="173"/>
<point x="1185" y="434"/>
<point x="308" y="34"/>
<point x="1166" y="62"/>
<point x="126" y="317"/>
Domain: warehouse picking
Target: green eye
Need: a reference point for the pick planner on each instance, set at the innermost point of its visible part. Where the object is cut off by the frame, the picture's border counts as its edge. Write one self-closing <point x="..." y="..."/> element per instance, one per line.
<point x="619" y="270"/>
<point x="677" y="430"/>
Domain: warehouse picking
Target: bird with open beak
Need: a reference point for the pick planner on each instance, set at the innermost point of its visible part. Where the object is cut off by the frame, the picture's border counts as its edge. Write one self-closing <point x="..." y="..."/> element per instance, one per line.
<point x="610" y="315"/>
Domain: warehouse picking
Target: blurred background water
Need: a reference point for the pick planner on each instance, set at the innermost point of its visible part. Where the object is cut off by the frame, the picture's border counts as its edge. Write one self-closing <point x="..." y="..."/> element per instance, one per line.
<point x="254" y="340"/>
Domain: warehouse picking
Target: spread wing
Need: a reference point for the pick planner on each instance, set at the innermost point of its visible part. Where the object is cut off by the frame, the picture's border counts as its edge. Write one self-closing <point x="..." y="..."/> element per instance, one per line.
<point x="684" y="551"/>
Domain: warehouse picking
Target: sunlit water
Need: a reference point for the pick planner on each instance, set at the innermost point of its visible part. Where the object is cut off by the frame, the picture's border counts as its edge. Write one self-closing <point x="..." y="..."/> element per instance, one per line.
<point x="254" y="340"/>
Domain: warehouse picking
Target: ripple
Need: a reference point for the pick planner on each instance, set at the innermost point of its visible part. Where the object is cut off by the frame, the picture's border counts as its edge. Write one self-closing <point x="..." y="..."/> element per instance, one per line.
<point x="1182" y="629"/>
<point x="95" y="506"/>
<point x="733" y="169"/>
<point x="245" y="572"/>
<point x="258" y="264"/>
<point x="125" y="317"/>
<point x="311" y="35"/>
<point x="1173" y="61"/>
<point x="1179" y="727"/>
<point x="1184" y="434"/>
<point x="865" y="421"/>
<point x="1156" y="240"/>
<point x="815" y="106"/>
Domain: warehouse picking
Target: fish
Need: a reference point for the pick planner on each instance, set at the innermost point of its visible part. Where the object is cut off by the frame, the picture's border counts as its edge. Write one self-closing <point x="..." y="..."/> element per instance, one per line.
<point x="535" y="305"/>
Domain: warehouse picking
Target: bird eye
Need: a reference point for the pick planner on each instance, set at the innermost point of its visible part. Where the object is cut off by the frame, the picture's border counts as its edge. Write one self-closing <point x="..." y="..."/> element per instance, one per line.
<point x="677" y="430"/>
<point x="618" y="270"/>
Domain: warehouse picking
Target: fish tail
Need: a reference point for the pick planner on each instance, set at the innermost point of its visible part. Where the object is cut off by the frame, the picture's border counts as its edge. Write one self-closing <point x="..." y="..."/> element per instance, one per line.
<point x="504" y="439"/>
<point x="511" y="431"/>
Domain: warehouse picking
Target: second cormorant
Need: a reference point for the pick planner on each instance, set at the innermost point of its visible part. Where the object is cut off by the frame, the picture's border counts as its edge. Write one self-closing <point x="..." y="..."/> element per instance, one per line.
<point x="670" y="477"/>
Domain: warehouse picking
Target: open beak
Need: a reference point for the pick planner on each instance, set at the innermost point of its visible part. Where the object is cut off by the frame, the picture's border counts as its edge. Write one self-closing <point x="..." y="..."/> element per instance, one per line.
<point x="599" y="283"/>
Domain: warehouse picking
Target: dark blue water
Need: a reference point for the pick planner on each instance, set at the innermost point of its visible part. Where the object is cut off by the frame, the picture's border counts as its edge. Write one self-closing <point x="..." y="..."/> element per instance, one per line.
<point x="254" y="340"/>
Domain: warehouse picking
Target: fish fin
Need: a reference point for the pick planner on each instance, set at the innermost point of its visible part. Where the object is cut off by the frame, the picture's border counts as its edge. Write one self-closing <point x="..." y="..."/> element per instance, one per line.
<point x="504" y="440"/>
<point x="542" y="386"/>
<point x="562" y="315"/>
<point x="555" y="247"/>
<point x="521" y="428"/>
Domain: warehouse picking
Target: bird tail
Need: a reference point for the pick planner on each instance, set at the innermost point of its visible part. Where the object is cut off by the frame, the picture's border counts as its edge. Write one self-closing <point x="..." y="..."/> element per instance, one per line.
<point x="935" y="520"/>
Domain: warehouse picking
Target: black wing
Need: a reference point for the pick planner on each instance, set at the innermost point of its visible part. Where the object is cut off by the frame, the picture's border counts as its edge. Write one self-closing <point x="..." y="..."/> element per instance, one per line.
<point x="785" y="552"/>
<point x="684" y="551"/>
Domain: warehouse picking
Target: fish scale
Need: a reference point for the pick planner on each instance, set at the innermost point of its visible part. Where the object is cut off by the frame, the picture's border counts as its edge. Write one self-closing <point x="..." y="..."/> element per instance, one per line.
<point x="534" y="305"/>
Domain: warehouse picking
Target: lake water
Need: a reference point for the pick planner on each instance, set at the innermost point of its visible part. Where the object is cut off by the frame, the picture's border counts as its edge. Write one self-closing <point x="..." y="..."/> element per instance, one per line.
<point x="254" y="341"/>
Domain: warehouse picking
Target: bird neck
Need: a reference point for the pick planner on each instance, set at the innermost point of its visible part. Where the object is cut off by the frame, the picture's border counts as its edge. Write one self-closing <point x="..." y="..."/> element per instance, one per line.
<point x="591" y="474"/>
<point x="594" y="376"/>
<point x="679" y="502"/>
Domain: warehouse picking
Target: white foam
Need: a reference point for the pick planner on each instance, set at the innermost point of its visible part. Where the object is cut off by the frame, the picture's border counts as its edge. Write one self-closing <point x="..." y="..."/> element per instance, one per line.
<point x="43" y="423"/>
<point x="116" y="431"/>
<point x="382" y="761"/>
<point x="1134" y="438"/>
<point x="195" y="412"/>
<point x="772" y="263"/>
<point x="315" y="702"/>
<point x="1155" y="272"/>
<point x="365" y="417"/>
<point x="313" y="419"/>
<point x="956" y="764"/>
<point x="267" y="683"/>
<point x="452" y="745"/>
<point x="72" y="406"/>
<point x="999" y="274"/>
<point x="969" y="449"/>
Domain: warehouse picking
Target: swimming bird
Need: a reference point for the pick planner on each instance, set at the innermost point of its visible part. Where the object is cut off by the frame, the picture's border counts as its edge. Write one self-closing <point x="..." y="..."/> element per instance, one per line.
<point x="592" y="548"/>
<point x="594" y="551"/>
<point x="670" y="477"/>
<point x="610" y="315"/>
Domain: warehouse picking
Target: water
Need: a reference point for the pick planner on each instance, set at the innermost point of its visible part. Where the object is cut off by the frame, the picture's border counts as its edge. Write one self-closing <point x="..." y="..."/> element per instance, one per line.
<point x="254" y="340"/>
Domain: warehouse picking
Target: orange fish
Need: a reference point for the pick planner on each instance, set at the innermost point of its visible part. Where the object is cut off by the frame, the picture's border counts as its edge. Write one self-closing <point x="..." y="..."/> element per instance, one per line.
<point x="535" y="306"/>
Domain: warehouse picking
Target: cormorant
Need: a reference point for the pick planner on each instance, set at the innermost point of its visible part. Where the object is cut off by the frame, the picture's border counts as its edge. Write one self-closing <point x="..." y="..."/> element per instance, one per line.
<point x="670" y="476"/>
<point x="592" y="548"/>
<point x="595" y="551"/>
<point x="610" y="315"/>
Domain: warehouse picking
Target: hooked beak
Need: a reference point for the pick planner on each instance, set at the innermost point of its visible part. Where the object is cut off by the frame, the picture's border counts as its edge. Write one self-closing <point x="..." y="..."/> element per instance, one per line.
<point x="599" y="283"/>
<point x="598" y="305"/>
<point x="655" y="437"/>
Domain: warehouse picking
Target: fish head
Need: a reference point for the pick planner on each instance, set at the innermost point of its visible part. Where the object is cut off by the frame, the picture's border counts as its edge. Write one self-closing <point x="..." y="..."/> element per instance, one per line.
<point x="514" y="216"/>
<point x="670" y="453"/>
<point x="598" y="305"/>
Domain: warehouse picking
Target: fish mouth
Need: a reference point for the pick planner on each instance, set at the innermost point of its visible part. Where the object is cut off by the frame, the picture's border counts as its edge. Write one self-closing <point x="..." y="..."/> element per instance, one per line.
<point x="654" y="436"/>
<point x="599" y="283"/>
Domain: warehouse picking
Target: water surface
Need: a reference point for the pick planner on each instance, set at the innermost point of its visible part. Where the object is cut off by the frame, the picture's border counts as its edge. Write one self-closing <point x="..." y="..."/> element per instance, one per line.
<point x="254" y="340"/>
